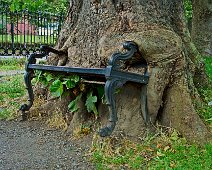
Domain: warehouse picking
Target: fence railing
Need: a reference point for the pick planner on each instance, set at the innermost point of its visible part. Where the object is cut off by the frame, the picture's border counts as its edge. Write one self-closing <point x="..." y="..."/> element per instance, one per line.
<point x="22" y="32"/>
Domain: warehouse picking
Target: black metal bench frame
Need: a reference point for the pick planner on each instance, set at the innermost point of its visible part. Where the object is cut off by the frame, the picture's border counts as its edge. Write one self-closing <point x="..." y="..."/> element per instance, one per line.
<point x="111" y="75"/>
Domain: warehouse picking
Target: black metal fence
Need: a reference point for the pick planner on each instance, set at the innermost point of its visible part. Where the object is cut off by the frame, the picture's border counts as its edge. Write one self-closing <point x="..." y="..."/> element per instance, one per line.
<point x="22" y="32"/>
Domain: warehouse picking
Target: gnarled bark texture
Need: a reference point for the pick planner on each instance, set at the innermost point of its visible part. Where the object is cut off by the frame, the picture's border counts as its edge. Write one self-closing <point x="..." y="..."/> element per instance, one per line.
<point x="95" y="29"/>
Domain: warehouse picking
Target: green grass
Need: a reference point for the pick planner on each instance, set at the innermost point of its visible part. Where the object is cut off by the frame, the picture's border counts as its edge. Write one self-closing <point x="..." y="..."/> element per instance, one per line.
<point x="12" y="64"/>
<point x="184" y="157"/>
<point x="162" y="152"/>
<point x="28" y="39"/>
<point x="11" y="90"/>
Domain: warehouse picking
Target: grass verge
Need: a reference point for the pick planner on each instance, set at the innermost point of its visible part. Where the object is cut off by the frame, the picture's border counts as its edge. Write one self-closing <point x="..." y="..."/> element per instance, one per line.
<point x="22" y="39"/>
<point x="160" y="152"/>
<point x="12" y="64"/>
<point x="11" y="90"/>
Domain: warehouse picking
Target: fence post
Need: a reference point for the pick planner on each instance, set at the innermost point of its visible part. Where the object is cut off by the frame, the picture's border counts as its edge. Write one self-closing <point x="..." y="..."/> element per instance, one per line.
<point x="12" y="32"/>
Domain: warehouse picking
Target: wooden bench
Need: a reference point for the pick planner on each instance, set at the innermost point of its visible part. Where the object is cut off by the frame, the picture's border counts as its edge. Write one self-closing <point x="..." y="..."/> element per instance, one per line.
<point x="111" y="75"/>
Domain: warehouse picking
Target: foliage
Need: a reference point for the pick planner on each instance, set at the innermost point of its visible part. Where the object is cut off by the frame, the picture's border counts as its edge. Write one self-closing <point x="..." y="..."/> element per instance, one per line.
<point x="73" y="104"/>
<point x="56" y="88"/>
<point x="188" y="9"/>
<point x="53" y="6"/>
<point x="90" y="103"/>
<point x="59" y="84"/>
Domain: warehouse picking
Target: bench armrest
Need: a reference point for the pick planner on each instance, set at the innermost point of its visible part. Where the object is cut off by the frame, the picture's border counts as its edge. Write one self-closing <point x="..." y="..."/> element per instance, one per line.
<point x="46" y="49"/>
<point x="131" y="48"/>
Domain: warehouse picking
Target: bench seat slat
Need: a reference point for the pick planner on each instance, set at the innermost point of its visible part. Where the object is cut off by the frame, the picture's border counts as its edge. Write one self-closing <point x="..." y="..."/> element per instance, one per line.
<point x="78" y="70"/>
<point x="100" y="73"/>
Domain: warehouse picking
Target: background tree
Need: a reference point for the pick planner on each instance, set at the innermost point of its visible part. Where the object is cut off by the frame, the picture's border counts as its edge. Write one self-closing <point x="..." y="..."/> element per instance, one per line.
<point x="95" y="29"/>
<point x="55" y="7"/>
<point x="202" y="26"/>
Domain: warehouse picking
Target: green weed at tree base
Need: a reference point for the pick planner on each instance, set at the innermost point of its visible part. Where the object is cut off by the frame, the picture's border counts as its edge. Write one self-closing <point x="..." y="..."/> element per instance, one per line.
<point x="59" y="83"/>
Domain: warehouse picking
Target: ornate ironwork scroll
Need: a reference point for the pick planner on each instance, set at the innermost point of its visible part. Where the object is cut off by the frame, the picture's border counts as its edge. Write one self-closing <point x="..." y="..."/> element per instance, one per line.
<point x="116" y="79"/>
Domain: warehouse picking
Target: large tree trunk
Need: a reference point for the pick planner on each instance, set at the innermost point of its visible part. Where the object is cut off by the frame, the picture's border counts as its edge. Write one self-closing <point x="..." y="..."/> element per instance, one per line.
<point x="202" y="26"/>
<point x="95" y="29"/>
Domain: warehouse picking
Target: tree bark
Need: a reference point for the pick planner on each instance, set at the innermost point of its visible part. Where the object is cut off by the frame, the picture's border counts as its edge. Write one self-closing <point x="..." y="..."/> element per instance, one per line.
<point x="96" y="29"/>
<point x="202" y="26"/>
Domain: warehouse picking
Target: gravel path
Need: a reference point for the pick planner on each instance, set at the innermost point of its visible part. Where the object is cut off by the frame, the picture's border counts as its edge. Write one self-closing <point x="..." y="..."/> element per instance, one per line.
<point x="31" y="145"/>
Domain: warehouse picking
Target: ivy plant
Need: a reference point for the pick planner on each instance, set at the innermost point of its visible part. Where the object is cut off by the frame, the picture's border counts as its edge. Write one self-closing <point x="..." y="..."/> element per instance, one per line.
<point x="90" y="103"/>
<point x="57" y="84"/>
<point x="56" y="88"/>
<point x="73" y="107"/>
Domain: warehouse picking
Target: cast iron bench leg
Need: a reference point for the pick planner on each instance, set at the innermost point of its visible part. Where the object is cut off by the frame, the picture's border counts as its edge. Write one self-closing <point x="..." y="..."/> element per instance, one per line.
<point x="26" y="107"/>
<point x="110" y="86"/>
<point x="28" y="76"/>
